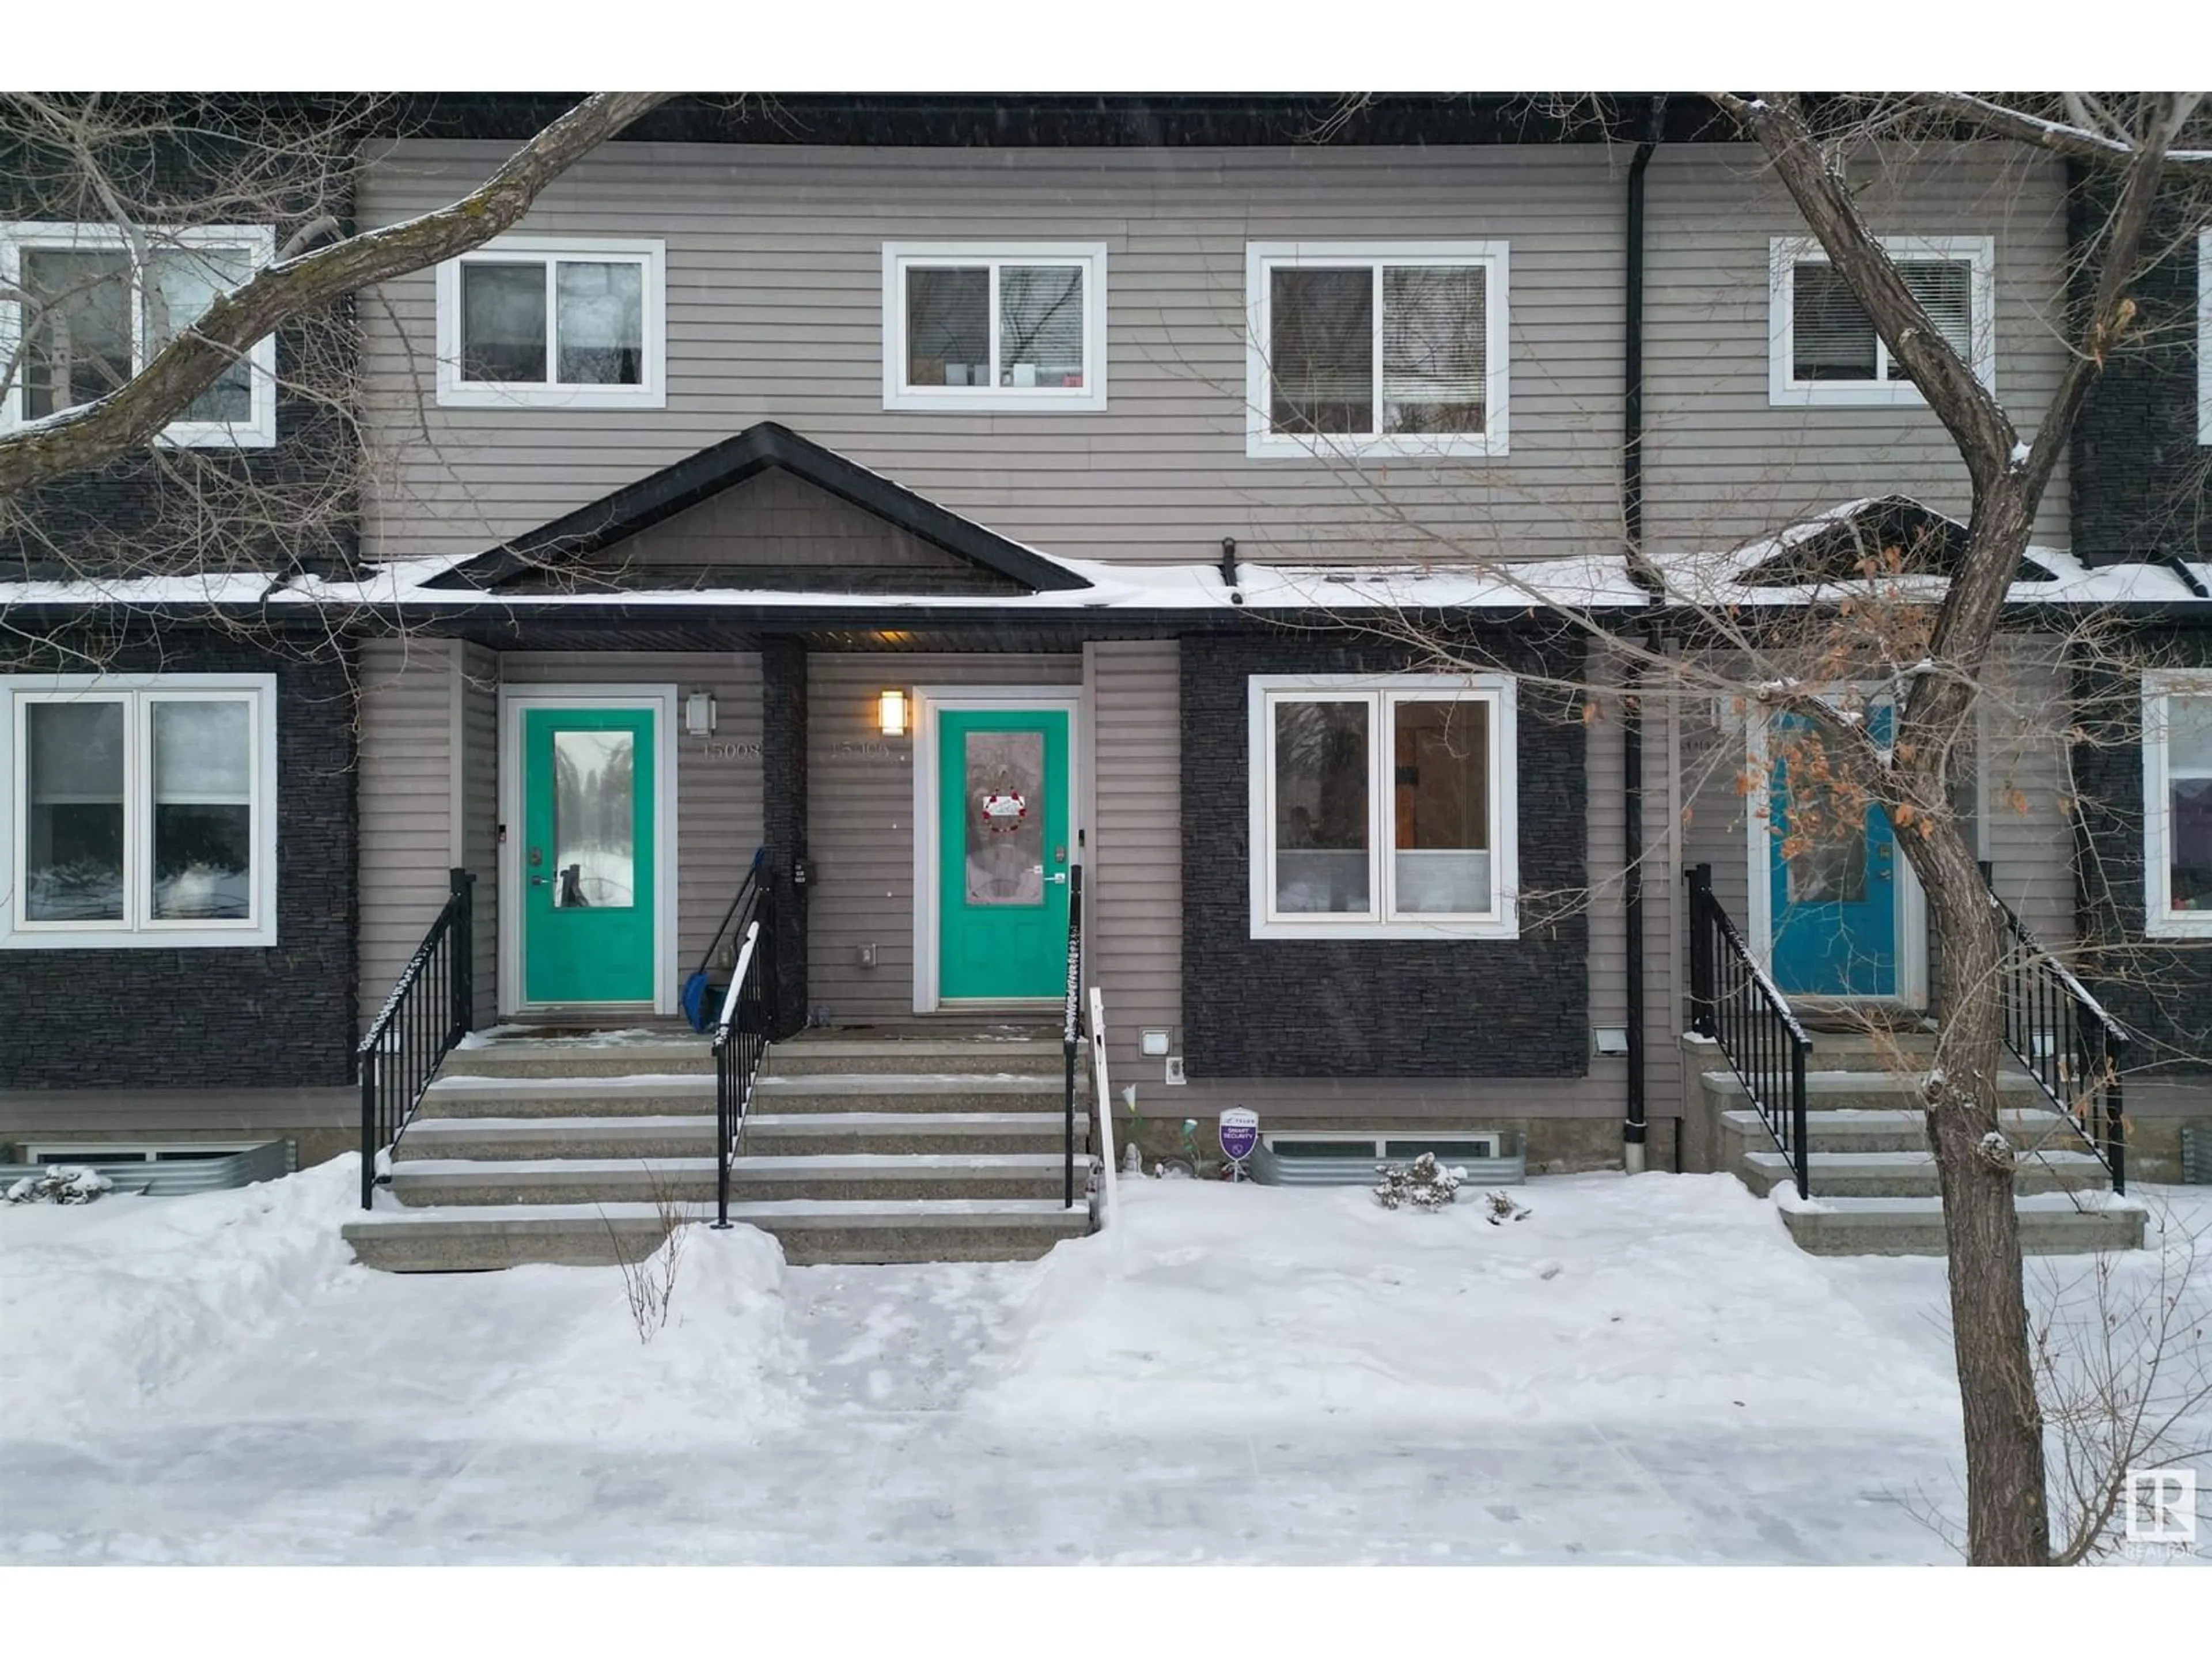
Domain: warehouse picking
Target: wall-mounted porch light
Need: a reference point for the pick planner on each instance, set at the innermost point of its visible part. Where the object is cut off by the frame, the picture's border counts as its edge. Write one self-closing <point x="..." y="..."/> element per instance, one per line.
<point x="699" y="714"/>
<point x="890" y="714"/>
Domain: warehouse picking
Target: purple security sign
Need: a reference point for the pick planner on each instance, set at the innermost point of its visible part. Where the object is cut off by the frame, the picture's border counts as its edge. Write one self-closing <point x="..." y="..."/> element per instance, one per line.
<point x="1240" y="1133"/>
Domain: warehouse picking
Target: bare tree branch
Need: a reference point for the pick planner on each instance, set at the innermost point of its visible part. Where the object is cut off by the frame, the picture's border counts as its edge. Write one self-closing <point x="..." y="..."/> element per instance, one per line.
<point x="135" y="412"/>
<point x="2063" y="137"/>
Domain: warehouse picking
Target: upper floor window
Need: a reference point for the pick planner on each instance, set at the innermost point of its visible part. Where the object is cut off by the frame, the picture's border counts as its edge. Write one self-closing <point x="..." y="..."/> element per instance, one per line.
<point x="85" y="308"/>
<point x="994" y="326"/>
<point x="1823" y="348"/>
<point x="144" y="811"/>
<point x="1382" y="807"/>
<point x="2178" y="803"/>
<point x="567" y="323"/>
<point x="1375" y="349"/>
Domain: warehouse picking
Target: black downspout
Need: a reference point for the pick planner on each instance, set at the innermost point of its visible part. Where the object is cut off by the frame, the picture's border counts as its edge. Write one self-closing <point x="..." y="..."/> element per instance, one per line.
<point x="1634" y="1126"/>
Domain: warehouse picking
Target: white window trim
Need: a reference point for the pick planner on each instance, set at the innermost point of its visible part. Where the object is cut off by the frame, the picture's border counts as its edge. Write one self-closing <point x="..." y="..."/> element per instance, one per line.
<point x="2160" y="919"/>
<point x="1262" y="443"/>
<point x="139" y="931"/>
<point x="258" y="431"/>
<point x="2204" y="336"/>
<point x="652" y="392"/>
<point x="1784" y="252"/>
<point x="1087" y="398"/>
<point x="1378" y="691"/>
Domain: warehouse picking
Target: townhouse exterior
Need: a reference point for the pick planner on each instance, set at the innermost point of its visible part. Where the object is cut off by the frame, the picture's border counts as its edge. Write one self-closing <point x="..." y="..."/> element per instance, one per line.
<point x="946" y="512"/>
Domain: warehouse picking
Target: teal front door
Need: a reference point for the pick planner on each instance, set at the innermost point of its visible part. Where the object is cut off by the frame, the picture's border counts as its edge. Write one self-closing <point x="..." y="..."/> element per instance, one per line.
<point x="589" y="902"/>
<point x="1833" y="876"/>
<point x="1003" y="853"/>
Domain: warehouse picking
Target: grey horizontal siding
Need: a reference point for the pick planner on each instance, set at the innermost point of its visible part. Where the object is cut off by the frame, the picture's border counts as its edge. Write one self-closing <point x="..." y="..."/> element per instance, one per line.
<point x="476" y="697"/>
<point x="407" y="714"/>
<point x="2026" y="823"/>
<point x="1721" y="463"/>
<point x="1134" y="861"/>
<point x="775" y="519"/>
<point x="1659" y="871"/>
<point x="111" y="1116"/>
<point x="1359" y="1102"/>
<point x="859" y="819"/>
<point x="774" y="311"/>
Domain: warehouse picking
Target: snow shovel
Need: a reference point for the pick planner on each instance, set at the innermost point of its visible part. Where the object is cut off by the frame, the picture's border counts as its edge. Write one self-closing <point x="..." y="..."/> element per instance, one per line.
<point x="697" y="987"/>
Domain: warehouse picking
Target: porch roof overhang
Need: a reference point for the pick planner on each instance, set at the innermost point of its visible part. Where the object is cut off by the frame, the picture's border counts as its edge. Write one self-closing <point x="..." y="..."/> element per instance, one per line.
<point x="1086" y="598"/>
<point x="1814" y="562"/>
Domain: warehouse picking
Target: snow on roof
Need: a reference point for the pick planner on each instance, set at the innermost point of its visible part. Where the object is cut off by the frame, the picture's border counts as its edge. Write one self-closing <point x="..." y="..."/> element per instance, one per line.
<point x="1580" y="582"/>
<point x="1583" y="582"/>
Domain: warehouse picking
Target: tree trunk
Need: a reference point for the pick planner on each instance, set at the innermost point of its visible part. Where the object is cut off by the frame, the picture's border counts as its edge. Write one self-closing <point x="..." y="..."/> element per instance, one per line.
<point x="2008" y="1523"/>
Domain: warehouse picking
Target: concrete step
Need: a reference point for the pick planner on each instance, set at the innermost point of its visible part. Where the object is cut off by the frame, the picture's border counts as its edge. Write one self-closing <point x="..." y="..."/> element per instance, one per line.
<point x="1912" y="1174"/>
<point x="813" y="1055"/>
<point x="1846" y="1089"/>
<point x="647" y="1095"/>
<point x="2051" y="1223"/>
<point x="577" y="1057"/>
<point x="423" y="1182"/>
<point x="845" y="1133"/>
<point x="1889" y="1129"/>
<point x="888" y="1091"/>
<point x="510" y="1138"/>
<point x="465" y="1239"/>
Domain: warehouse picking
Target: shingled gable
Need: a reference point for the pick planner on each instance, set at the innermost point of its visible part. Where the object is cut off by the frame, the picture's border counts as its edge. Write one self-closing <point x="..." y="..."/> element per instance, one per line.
<point x="1849" y="545"/>
<point x="571" y="545"/>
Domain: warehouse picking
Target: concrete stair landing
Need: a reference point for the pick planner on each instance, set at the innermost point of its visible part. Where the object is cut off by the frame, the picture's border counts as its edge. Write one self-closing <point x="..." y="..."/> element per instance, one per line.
<point x="1873" y="1176"/>
<point x="918" y="1147"/>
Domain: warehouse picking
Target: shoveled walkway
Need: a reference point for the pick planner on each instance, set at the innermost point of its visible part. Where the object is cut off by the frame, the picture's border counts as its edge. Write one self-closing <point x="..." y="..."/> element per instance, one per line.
<point x="891" y="1466"/>
<point x="1642" y="1370"/>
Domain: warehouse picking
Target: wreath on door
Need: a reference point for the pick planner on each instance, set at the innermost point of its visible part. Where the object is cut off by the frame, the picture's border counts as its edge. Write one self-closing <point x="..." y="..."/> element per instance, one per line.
<point x="1003" y="811"/>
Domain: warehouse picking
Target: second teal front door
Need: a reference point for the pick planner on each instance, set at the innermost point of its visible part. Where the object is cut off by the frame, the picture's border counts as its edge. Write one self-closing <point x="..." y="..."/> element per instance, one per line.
<point x="1832" y="877"/>
<point x="1003" y="853"/>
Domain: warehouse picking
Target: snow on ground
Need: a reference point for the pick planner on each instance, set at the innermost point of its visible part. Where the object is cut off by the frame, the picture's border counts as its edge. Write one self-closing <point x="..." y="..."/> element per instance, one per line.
<point x="1641" y="1370"/>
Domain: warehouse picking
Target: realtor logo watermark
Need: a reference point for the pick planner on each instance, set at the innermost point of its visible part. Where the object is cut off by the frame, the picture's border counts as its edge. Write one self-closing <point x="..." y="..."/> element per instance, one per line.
<point x="2162" y="1507"/>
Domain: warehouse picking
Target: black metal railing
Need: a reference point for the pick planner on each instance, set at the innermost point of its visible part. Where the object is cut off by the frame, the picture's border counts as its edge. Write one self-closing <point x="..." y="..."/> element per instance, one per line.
<point x="698" y="1002"/>
<point x="430" y="1010"/>
<point x="1735" y="1002"/>
<point x="1072" y="1016"/>
<point x="741" y="1035"/>
<point x="2063" y="1036"/>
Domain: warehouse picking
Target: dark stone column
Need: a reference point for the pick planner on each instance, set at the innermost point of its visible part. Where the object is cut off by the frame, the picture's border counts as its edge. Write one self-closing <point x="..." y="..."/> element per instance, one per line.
<point x="783" y="819"/>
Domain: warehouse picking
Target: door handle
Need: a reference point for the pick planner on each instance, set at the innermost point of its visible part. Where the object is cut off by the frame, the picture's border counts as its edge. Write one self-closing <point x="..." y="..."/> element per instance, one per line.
<point x="537" y="881"/>
<point x="1061" y="880"/>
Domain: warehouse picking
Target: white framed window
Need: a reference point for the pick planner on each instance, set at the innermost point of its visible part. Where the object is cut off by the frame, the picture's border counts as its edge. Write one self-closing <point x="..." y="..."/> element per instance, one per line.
<point x="1822" y="347"/>
<point x="568" y="322"/>
<point x="1016" y="325"/>
<point x="1382" y="807"/>
<point x="82" y="309"/>
<point x="2204" y="336"/>
<point x="1356" y="349"/>
<point x="2178" y="803"/>
<point x="144" y="811"/>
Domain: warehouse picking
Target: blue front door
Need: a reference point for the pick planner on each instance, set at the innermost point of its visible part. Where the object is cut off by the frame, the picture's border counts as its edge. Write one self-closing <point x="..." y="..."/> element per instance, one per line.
<point x="1832" y="877"/>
